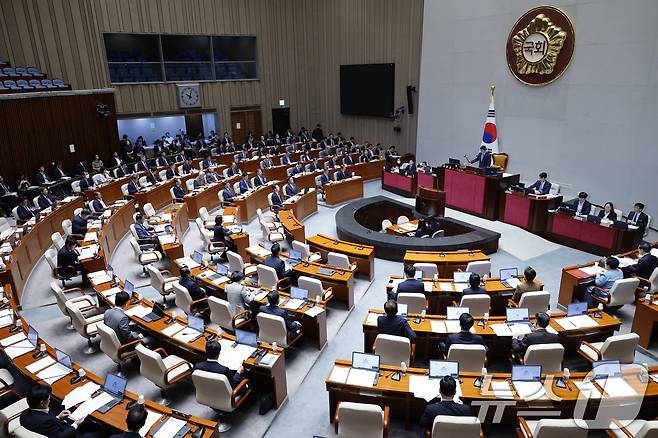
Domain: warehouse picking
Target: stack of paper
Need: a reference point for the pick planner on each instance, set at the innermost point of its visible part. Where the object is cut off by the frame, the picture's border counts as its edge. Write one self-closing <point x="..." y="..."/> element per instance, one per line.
<point x="111" y="292"/>
<point x="170" y="428"/>
<point x="427" y="286"/>
<point x="577" y="322"/>
<point x="339" y="374"/>
<point x="371" y="319"/>
<point x="294" y="304"/>
<point x="616" y="387"/>
<point x="88" y="252"/>
<point x="167" y="239"/>
<point x="79" y="394"/>
<point x="424" y="387"/>
<point x="233" y="357"/>
<point x="90" y="405"/>
<point x="6" y="320"/>
<point x="530" y="390"/>
<point x="501" y="389"/>
<point x="518" y="329"/>
<point x="41" y="364"/>
<point x="452" y="326"/>
<point x="53" y="373"/>
<point x="358" y="377"/>
<point x="588" y="390"/>
<point x="187" y="261"/>
<point x="173" y="329"/>
<point x="592" y="270"/>
<point x="20" y="336"/>
<point x="99" y="277"/>
<point x="314" y="311"/>
<point x="19" y="349"/>
<point x="165" y="217"/>
<point x="151" y="418"/>
<point x="138" y="311"/>
<point x="438" y="326"/>
<point x="459" y="287"/>
<point x="228" y="219"/>
<point x="259" y="251"/>
<point x="91" y="236"/>
<point x="187" y="335"/>
<point x="501" y="329"/>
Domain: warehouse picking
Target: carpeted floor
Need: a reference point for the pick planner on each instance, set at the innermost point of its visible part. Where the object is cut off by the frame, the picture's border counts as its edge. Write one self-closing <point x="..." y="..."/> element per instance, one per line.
<point x="306" y="411"/>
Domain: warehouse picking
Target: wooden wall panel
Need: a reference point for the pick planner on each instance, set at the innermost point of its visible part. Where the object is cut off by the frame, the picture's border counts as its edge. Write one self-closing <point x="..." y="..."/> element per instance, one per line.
<point x="301" y="44"/>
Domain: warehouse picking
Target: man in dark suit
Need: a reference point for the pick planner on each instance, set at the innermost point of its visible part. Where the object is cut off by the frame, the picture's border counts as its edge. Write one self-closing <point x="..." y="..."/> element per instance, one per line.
<point x="639" y="219"/>
<point x="474" y="286"/>
<point x="330" y="163"/>
<point x="244" y="185"/>
<point x="274" y="262"/>
<point x="539" y="336"/>
<point x="444" y="405"/>
<point x="582" y="206"/>
<point x="391" y="153"/>
<point x="187" y="166"/>
<point x="347" y="160"/>
<point x="151" y="177"/>
<point x="228" y="194"/>
<point x="483" y="158"/>
<point x="42" y="177"/>
<point x="392" y="324"/>
<point x="285" y="159"/>
<point x="272" y="308"/>
<point x="25" y="210"/>
<point x="86" y="182"/>
<point x="79" y="222"/>
<point x="80" y="168"/>
<point x="59" y="173"/>
<point x="133" y="185"/>
<point x="314" y="165"/>
<point x="233" y="170"/>
<point x="290" y="189"/>
<point x="45" y="200"/>
<point x="541" y="186"/>
<point x="171" y="171"/>
<point x="277" y="201"/>
<point x="317" y="133"/>
<point x="297" y="169"/>
<point x="98" y="205"/>
<point x="179" y="191"/>
<point x="186" y="280"/>
<point x="259" y="179"/>
<point x="162" y="160"/>
<point x="343" y="173"/>
<point x="211" y="365"/>
<point x="116" y="160"/>
<point x="144" y="234"/>
<point x="67" y="257"/>
<point x="410" y="284"/>
<point x="464" y="336"/>
<point x="266" y="163"/>
<point x="411" y="169"/>
<point x="222" y="235"/>
<point x="39" y="420"/>
<point x="135" y="420"/>
<point x="122" y="171"/>
<point x="646" y="263"/>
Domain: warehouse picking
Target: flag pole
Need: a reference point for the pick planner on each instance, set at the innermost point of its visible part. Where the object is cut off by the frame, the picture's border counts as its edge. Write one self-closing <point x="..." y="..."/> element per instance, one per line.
<point x="493" y="88"/>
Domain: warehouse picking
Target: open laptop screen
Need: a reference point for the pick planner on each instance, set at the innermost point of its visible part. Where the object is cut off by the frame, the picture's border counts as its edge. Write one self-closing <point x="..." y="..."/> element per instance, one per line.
<point x="575" y="309"/>
<point x="507" y="273"/>
<point x="221" y="269"/>
<point x="515" y="314"/>
<point x="246" y="338"/>
<point x="195" y="323"/>
<point x="440" y="368"/>
<point x="197" y="257"/>
<point x="461" y="277"/>
<point x="456" y="312"/>
<point x="64" y="359"/>
<point x="526" y="373"/>
<point x="298" y="293"/>
<point x="603" y="369"/>
<point x="364" y="361"/>
<point x="32" y="336"/>
<point x="115" y="385"/>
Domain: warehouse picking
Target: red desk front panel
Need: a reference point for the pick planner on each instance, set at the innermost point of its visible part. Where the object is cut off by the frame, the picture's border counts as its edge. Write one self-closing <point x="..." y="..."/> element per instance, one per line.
<point x="517" y="210"/>
<point x="464" y="191"/>
<point x="585" y="231"/>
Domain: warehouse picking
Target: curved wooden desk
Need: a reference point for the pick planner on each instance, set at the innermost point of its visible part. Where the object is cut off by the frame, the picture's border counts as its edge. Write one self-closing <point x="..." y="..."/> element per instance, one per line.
<point x="205" y="197"/>
<point x="446" y="262"/>
<point x="362" y="255"/>
<point x="303" y="205"/>
<point x="292" y="227"/>
<point x="248" y="204"/>
<point x="342" y="191"/>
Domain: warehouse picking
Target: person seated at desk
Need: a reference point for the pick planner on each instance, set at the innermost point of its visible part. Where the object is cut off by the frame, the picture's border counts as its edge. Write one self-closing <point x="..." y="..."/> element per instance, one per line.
<point x="277" y="202"/>
<point x="410" y="284"/>
<point x="211" y="364"/>
<point x="212" y="176"/>
<point x="285" y="159"/>
<point x="244" y="185"/>
<point x="259" y="179"/>
<point x="80" y="168"/>
<point x="222" y="235"/>
<point x="290" y="189"/>
<point x="347" y="160"/>
<point x="98" y="205"/>
<point x="86" y="183"/>
<point x="22" y="184"/>
<point x="116" y="160"/>
<point x="646" y="263"/>
<point x="483" y="158"/>
<point x="151" y="177"/>
<point x="582" y="206"/>
<point x="275" y="262"/>
<point x="541" y="186"/>
<point x="104" y="177"/>
<point x="26" y="210"/>
<point x="314" y="166"/>
<point x="474" y="286"/>
<point x="179" y="191"/>
<point x="171" y="171"/>
<point x="539" y="336"/>
<point x="238" y="296"/>
<point x="144" y="234"/>
<point x="608" y="212"/>
<point x="188" y="282"/>
<point x="97" y="164"/>
<point x="464" y="336"/>
<point x="266" y="163"/>
<point x="133" y="185"/>
<point x="394" y="324"/>
<point x="162" y="160"/>
<point x="297" y="169"/>
<point x="240" y="156"/>
<point x="58" y="172"/>
<point x="79" y="222"/>
<point x="423" y="228"/>
<point x="305" y="157"/>
<point x="67" y="258"/>
<point x="445" y="404"/>
<point x="330" y="163"/>
<point x="37" y="418"/>
<point x="228" y="194"/>
<point x="207" y="162"/>
<point x="639" y="218"/>
<point x="45" y="200"/>
<point x="200" y="180"/>
<point x="122" y="171"/>
<point x="42" y="177"/>
<point x="410" y="170"/>
<point x="272" y="308"/>
<point x="187" y="166"/>
<point x="605" y="280"/>
<point x="135" y="420"/>
<point x="391" y="153"/>
<point x="365" y="156"/>
<point x="234" y="170"/>
<point x="116" y="319"/>
<point x="527" y="285"/>
<point x="343" y="173"/>
<point x="142" y="165"/>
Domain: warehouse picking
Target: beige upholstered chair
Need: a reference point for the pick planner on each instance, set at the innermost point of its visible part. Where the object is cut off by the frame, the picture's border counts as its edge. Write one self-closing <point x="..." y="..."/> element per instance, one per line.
<point x="622" y="292"/>
<point x="161" y="369"/>
<point x="415" y="302"/>
<point x="481" y="268"/>
<point x="185" y="302"/>
<point x="471" y="358"/>
<point x="270" y="220"/>
<point x="235" y="263"/>
<point x="315" y="288"/>
<point x="272" y="328"/>
<point x="478" y="304"/>
<point x="551" y="428"/>
<point x="22" y="432"/>
<point x="633" y="429"/>
<point x="305" y="251"/>
<point x="165" y="286"/>
<point x="429" y="270"/>
<point x="214" y="390"/>
<point x="535" y="302"/>
<point x="9" y="415"/>
<point x="207" y="218"/>
<point x="149" y="211"/>
<point x="271" y="235"/>
<point x="650" y="285"/>
<point x="549" y="356"/>
<point x="124" y="190"/>
<point x="393" y="350"/>
<point x="402" y="220"/>
<point x="268" y="279"/>
<point x="189" y="184"/>
<point x="144" y="257"/>
<point x="340" y="261"/>
<point x="57" y="240"/>
<point x="220" y="314"/>
<point x="85" y="326"/>
<point x="617" y="347"/>
<point x="448" y="426"/>
<point x="110" y="345"/>
<point x="385" y="224"/>
<point x="83" y="302"/>
<point x="361" y="420"/>
<point x="213" y="248"/>
<point x="75" y="186"/>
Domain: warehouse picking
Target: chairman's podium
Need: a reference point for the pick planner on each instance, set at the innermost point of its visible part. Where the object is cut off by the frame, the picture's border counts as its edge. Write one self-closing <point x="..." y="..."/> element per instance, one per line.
<point x="528" y="211"/>
<point x="431" y="202"/>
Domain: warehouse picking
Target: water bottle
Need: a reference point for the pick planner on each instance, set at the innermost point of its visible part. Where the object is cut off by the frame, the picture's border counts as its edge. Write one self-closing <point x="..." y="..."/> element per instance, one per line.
<point x="647" y="298"/>
<point x="566" y="374"/>
<point x="403" y="367"/>
<point x="422" y="314"/>
<point x="485" y="318"/>
<point x="140" y="400"/>
<point x="483" y="373"/>
<point x="274" y="347"/>
<point x="644" y="373"/>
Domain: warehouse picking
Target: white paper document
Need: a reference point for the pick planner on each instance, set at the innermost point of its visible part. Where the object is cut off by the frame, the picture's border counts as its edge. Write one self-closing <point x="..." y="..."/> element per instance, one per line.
<point x="13" y="339"/>
<point x="91" y="236"/>
<point x="90" y="405"/>
<point x="314" y="311"/>
<point x="167" y="239"/>
<point x="501" y="329"/>
<point x="427" y="286"/>
<point x="170" y="428"/>
<point x="151" y="418"/>
<point x="261" y="296"/>
<point x="100" y="279"/>
<point x="502" y="389"/>
<point x="371" y="319"/>
<point x="592" y="270"/>
<point x="438" y="326"/>
<point x="187" y="261"/>
<point x="138" y="311"/>
<point x="445" y="287"/>
<point x="339" y="374"/>
<point x="588" y="390"/>
<point x="19" y="349"/>
<point x="459" y="287"/>
<point x="111" y="292"/>
<point x="79" y="394"/>
<point x="6" y="320"/>
<point x="187" y="335"/>
<point x="530" y="390"/>
<point x="359" y="377"/>
<point x="228" y="219"/>
<point x="53" y="373"/>
<point x="583" y="321"/>
<point x="233" y="357"/>
<point x="452" y="326"/>
<point x="518" y="329"/>
<point x="294" y="304"/>
<point x="40" y="364"/>
<point x="616" y="387"/>
<point x="424" y="387"/>
<point x="173" y="329"/>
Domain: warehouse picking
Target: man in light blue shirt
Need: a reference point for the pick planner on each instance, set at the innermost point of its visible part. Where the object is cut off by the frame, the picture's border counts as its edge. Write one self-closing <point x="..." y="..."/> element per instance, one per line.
<point x="605" y="280"/>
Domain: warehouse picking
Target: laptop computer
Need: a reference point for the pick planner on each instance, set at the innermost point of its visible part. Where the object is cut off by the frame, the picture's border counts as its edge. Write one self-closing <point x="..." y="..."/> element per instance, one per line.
<point x="441" y="368"/>
<point x="32" y="336"/>
<point x="246" y="338"/>
<point x="157" y="313"/>
<point x="268" y="245"/>
<point x="526" y="380"/>
<point x="298" y="298"/>
<point x="294" y="257"/>
<point x="577" y="309"/>
<point x="517" y="315"/>
<point x="197" y="257"/>
<point x="365" y="369"/>
<point x="221" y="269"/>
<point x="508" y="276"/>
<point x="402" y="309"/>
<point x="593" y="218"/>
<point x="196" y="324"/>
<point x="620" y="224"/>
<point x="461" y="277"/>
<point x="605" y="369"/>
<point x="63" y="359"/>
<point x="115" y="386"/>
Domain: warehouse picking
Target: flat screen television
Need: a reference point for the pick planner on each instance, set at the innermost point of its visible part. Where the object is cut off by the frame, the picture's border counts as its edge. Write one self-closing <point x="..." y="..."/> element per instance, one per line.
<point x="367" y="89"/>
